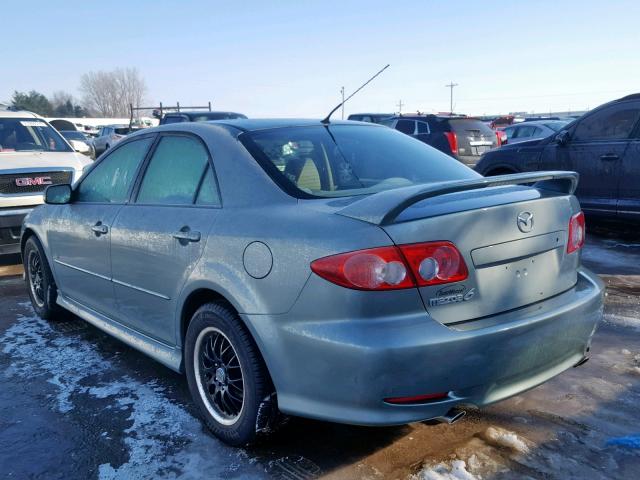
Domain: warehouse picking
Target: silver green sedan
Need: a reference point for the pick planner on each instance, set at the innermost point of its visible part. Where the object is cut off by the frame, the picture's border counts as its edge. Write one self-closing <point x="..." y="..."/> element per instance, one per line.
<point x="344" y="271"/>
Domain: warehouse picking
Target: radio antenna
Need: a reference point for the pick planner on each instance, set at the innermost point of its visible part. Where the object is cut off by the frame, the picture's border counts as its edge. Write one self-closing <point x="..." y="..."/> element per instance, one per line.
<point x="326" y="119"/>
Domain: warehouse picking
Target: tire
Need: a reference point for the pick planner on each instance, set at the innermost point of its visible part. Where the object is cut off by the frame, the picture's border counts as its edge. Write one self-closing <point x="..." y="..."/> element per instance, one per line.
<point x="214" y="335"/>
<point x="40" y="283"/>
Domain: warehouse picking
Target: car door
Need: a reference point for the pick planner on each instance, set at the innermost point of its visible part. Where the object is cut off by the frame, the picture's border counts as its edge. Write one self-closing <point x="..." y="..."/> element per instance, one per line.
<point x="79" y="233"/>
<point x="629" y="186"/>
<point x="596" y="151"/>
<point x="158" y="238"/>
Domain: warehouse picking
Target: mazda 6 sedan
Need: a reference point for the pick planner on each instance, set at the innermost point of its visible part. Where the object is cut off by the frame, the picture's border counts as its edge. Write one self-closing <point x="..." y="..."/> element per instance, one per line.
<point x="341" y="271"/>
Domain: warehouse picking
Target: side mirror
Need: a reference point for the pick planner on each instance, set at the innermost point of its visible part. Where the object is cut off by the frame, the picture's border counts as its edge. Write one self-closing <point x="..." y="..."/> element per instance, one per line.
<point x="563" y="137"/>
<point x="58" y="194"/>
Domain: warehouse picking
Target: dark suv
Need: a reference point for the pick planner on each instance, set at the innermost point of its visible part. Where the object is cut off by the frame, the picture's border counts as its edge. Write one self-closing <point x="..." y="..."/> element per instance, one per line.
<point x="603" y="146"/>
<point x="179" y="117"/>
<point x="461" y="137"/>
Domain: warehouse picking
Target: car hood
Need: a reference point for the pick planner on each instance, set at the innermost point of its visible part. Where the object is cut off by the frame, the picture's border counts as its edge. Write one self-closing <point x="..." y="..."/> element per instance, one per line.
<point x="35" y="161"/>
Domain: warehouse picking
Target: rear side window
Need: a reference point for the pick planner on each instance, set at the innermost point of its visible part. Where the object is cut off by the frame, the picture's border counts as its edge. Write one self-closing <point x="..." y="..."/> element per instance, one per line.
<point x="175" y="172"/>
<point x="612" y="123"/>
<point x="110" y="180"/>
<point x="406" y="126"/>
<point x="423" y="127"/>
<point x="208" y="193"/>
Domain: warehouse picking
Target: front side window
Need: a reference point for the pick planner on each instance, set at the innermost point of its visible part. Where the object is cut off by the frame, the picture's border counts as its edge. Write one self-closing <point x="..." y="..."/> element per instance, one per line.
<point x="175" y="172"/>
<point x="346" y="160"/>
<point x="612" y="123"/>
<point x="111" y="179"/>
<point x="30" y="134"/>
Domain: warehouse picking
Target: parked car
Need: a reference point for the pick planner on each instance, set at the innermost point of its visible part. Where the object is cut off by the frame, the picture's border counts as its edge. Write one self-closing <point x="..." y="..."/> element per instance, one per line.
<point x="531" y="130"/>
<point x="79" y="142"/>
<point x="179" y="117"/>
<point x="212" y="247"/>
<point x="369" y="117"/>
<point x="33" y="155"/>
<point x="109" y="135"/>
<point x="463" y="138"/>
<point x="603" y="146"/>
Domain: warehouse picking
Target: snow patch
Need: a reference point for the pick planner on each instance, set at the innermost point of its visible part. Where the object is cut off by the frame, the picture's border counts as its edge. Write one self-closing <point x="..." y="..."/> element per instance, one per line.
<point x="623" y="320"/>
<point x="626" y="352"/>
<point x="504" y="438"/>
<point x="162" y="439"/>
<point x="454" y="470"/>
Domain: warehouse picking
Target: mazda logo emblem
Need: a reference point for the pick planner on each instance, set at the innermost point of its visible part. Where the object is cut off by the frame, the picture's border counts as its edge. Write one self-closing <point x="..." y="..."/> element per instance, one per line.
<point x="525" y="221"/>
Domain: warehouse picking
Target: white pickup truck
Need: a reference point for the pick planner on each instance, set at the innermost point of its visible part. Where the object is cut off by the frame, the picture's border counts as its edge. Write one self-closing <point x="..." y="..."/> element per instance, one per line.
<point x="33" y="155"/>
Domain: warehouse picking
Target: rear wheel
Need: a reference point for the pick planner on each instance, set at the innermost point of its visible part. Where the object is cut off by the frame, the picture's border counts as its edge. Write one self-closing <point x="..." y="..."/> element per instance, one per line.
<point x="227" y="377"/>
<point x="42" y="287"/>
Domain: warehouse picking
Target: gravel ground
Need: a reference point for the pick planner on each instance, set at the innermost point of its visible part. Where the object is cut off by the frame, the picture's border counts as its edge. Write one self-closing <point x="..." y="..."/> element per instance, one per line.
<point x="75" y="403"/>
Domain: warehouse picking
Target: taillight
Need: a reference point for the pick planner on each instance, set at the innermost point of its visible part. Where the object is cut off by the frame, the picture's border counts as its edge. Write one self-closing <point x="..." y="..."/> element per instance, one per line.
<point x="453" y="141"/>
<point x="391" y="268"/>
<point x="502" y="137"/>
<point x="576" y="232"/>
<point x="372" y="269"/>
<point x="434" y="263"/>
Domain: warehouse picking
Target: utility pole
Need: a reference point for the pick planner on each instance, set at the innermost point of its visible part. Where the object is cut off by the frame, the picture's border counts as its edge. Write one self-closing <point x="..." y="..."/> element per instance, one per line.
<point x="399" y="105"/>
<point x="451" y="86"/>
<point x="342" y="93"/>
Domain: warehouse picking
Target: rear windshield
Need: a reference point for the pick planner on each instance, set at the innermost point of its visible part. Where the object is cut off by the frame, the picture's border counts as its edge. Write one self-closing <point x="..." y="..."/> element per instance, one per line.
<point x="347" y="160"/>
<point x="556" y="125"/>
<point x="462" y="125"/>
<point x="27" y="134"/>
<point x="71" y="135"/>
<point x="125" y="130"/>
<point x="203" y="117"/>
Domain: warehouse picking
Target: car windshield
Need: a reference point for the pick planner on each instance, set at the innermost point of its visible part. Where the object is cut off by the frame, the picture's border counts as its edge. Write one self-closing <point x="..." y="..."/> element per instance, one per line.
<point x="27" y="134"/>
<point x="347" y="160"/>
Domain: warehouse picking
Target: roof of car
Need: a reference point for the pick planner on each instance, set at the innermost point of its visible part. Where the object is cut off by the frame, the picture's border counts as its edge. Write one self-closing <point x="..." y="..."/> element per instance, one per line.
<point x="251" y="124"/>
<point x="18" y="114"/>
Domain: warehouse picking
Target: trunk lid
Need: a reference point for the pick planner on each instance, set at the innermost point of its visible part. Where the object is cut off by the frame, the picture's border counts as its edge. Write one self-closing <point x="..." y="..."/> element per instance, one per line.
<point x="512" y="238"/>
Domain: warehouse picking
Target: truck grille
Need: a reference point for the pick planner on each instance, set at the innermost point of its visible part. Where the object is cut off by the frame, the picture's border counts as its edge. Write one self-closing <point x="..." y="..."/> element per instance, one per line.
<point x="31" y="182"/>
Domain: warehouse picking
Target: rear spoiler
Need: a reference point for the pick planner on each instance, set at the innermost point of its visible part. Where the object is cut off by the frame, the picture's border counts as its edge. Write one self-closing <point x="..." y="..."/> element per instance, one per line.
<point x="384" y="207"/>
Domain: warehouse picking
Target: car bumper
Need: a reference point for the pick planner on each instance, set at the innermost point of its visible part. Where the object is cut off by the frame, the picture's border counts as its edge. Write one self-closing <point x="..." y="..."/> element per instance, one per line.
<point x="341" y="369"/>
<point x="10" y="226"/>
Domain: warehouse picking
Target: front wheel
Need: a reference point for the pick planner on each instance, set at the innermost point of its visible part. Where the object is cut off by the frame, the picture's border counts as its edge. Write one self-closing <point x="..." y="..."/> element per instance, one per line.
<point x="41" y="285"/>
<point x="227" y="377"/>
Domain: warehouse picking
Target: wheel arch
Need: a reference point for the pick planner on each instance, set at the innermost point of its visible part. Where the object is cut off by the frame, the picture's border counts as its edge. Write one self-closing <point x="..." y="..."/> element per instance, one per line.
<point x="201" y="294"/>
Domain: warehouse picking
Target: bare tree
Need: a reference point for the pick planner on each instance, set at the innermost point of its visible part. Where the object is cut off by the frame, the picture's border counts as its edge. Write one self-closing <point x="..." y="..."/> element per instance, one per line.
<point x="110" y="93"/>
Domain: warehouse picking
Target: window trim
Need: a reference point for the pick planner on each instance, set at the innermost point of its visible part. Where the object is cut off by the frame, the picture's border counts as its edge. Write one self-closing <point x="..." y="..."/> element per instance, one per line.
<point x="133" y="197"/>
<point x="94" y="165"/>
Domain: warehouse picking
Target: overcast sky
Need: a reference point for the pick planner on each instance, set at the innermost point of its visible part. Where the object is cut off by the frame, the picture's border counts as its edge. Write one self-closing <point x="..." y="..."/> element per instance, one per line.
<point x="290" y="58"/>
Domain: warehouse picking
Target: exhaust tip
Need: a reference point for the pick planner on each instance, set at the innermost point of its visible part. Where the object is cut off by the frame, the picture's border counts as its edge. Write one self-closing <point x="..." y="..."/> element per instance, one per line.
<point x="451" y="417"/>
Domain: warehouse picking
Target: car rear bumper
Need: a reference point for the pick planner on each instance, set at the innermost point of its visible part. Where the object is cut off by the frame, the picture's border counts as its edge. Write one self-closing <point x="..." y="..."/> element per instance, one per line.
<point x="10" y="226"/>
<point x="341" y="369"/>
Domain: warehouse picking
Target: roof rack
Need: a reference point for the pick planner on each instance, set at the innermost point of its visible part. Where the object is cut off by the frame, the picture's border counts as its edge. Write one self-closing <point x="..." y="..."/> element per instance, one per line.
<point x="159" y="111"/>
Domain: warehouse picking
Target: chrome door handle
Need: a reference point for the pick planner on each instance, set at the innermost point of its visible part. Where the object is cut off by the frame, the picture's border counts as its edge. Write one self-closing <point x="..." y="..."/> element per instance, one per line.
<point x="100" y="229"/>
<point x="185" y="235"/>
<point x="609" y="157"/>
